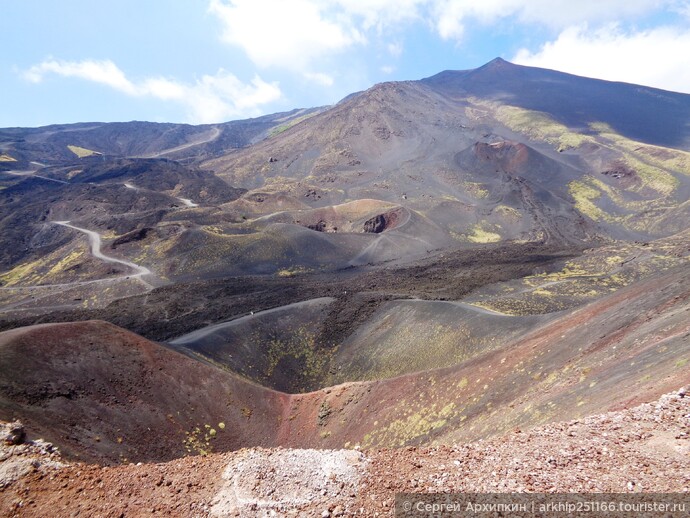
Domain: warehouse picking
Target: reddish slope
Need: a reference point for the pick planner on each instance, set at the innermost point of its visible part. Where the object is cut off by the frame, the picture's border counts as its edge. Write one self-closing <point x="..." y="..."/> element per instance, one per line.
<point x="644" y="449"/>
<point x="85" y="385"/>
<point x="103" y="393"/>
<point x="627" y="348"/>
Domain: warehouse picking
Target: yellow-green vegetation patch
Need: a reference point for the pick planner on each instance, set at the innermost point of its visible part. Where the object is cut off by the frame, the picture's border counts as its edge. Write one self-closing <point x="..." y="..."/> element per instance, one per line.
<point x="616" y="195"/>
<point x="82" y="152"/>
<point x="581" y="280"/>
<point x="69" y="260"/>
<point x="653" y="164"/>
<point x="653" y="177"/>
<point x="6" y="158"/>
<point x="198" y="441"/>
<point x="536" y="125"/>
<point x="585" y="195"/>
<point x="214" y="230"/>
<point x="638" y="215"/>
<point x="667" y="158"/>
<point x="22" y="273"/>
<point x="42" y="270"/>
<point x="541" y="292"/>
<point x="293" y="271"/>
<point x="484" y="233"/>
<point x="509" y="213"/>
<point x="301" y="346"/>
<point x="397" y="351"/>
<point x="413" y="424"/>
<point x="474" y="189"/>
<point x="613" y="260"/>
<point x="277" y="130"/>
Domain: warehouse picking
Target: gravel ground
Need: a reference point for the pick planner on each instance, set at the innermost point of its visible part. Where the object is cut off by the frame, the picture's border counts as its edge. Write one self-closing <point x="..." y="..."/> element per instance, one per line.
<point x="643" y="449"/>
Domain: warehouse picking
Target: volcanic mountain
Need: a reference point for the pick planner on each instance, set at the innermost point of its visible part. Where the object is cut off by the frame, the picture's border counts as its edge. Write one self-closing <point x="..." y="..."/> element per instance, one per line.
<point x="423" y="262"/>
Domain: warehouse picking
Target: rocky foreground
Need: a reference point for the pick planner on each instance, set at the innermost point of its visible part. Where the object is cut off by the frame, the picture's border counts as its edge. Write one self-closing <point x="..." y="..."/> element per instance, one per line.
<point x="642" y="449"/>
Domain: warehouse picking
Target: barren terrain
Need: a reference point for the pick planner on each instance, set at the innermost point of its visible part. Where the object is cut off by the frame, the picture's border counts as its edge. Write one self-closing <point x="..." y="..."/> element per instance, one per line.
<point x="430" y="286"/>
<point x="642" y="449"/>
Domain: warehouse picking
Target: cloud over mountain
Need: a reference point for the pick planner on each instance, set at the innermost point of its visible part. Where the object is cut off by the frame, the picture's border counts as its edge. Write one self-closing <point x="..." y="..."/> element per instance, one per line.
<point x="211" y="98"/>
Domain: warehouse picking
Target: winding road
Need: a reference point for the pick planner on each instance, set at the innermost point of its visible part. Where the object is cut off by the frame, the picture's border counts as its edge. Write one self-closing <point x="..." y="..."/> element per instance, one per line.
<point x="214" y="133"/>
<point x="33" y="173"/>
<point x="185" y="201"/>
<point x="209" y="330"/>
<point x="95" y="246"/>
<point x="464" y="305"/>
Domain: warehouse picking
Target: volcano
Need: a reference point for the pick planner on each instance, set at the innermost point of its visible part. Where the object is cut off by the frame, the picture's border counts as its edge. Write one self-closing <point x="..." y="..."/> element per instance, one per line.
<point x="423" y="263"/>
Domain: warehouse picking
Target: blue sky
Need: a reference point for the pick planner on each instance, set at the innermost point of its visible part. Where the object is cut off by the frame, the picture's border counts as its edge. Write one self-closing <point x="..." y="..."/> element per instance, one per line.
<point x="204" y="61"/>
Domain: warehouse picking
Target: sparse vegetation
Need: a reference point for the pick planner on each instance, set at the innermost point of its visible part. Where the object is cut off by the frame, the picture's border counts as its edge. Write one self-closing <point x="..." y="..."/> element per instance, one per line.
<point x="484" y="233"/>
<point x="198" y="441"/>
<point x="292" y="122"/>
<point x="536" y="125"/>
<point x="585" y="195"/>
<point x="292" y="272"/>
<point x="82" y="152"/>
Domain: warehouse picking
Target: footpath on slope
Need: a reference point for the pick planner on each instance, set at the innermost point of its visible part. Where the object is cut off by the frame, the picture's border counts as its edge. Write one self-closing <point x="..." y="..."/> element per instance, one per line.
<point x="643" y="449"/>
<point x="95" y="247"/>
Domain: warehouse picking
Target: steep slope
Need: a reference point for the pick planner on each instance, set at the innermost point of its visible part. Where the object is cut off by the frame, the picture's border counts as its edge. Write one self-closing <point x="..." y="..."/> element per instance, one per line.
<point x="387" y="176"/>
<point x="628" y="457"/>
<point x="104" y="394"/>
<point x="112" y="394"/>
<point x="426" y="261"/>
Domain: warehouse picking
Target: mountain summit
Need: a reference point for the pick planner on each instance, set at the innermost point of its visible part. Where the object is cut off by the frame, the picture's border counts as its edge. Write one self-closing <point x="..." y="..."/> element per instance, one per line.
<point x="658" y="117"/>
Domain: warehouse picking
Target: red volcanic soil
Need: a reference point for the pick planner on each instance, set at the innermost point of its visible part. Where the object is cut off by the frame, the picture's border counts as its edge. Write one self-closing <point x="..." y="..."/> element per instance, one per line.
<point x="510" y="157"/>
<point x="643" y="449"/>
<point x="105" y="394"/>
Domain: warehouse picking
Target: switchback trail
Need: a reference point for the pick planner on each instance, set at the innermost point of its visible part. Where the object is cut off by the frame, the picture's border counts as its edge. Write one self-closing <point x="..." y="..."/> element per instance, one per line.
<point x="95" y="246"/>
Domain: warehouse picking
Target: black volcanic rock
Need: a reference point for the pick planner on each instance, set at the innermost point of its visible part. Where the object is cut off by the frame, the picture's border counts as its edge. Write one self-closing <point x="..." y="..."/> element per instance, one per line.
<point x="159" y="175"/>
<point x="376" y="224"/>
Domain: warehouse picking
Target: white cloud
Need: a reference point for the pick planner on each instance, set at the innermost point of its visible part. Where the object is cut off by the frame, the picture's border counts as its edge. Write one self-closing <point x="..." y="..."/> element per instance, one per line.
<point x="387" y="69"/>
<point x="320" y="78"/>
<point x="104" y="72"/>
<point x="289" y="34"/>
<point x="681" y="7"/>
<point x="651" y="58"/>
<point x="213" y="98"/>
<point x="380" y="14"/>
<point x="451" y="16"/>
<point x="300" y="35"/>
<point x="224" y="96"/>
<point x="395" y="49"/>
<point x="297" y="35"/>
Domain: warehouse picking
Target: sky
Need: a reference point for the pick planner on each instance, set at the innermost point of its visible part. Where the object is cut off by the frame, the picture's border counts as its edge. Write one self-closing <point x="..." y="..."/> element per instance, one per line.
<point x="208" y="61"/>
